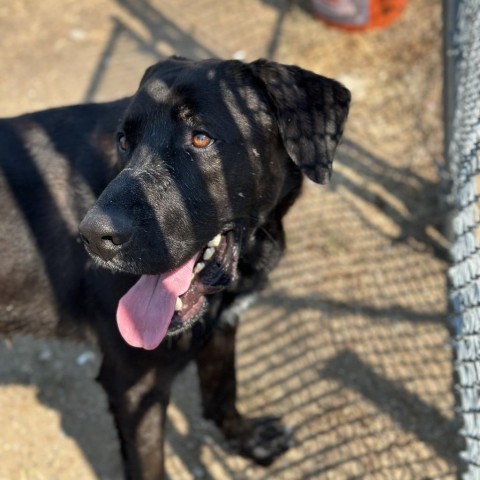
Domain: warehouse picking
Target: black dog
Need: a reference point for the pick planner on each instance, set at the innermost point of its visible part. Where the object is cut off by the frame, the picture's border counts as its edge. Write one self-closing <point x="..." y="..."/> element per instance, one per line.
<point x="193" y="176"/>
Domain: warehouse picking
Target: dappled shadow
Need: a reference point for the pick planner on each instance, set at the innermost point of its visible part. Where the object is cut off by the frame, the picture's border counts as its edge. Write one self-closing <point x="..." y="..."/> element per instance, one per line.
<point x="288" y="367"/>
<point x="165" y="37"/>
<point x="417" y="207"/>
<point x="229" y="182"/>
<point x="160" y="29"/>
<point x="405" y="408"/>
<point x="278" y="375"/>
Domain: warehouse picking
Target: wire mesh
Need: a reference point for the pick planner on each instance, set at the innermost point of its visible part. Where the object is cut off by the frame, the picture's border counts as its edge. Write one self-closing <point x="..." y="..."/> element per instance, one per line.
<point x="465" y="271"/>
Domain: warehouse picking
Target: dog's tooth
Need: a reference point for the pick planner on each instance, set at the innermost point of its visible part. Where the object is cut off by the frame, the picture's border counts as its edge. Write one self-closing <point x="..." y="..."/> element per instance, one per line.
<point x="208" y="254"/>
<point x="199" y="267"/>
<point x="178" y="304"/>
<point x="215" y="241"/>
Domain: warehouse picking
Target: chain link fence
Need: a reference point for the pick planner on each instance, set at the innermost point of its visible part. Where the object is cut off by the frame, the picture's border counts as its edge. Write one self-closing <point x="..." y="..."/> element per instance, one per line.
<point x="463" y="72"/>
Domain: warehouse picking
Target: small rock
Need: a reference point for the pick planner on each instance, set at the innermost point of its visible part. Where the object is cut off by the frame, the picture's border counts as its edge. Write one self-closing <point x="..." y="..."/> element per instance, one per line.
<point x="240" y="55"/>
<point x="198" y="472"/>
<point x="78" y="34"/>
<point x="45" y="355"/>
<point x="85" y="357"/>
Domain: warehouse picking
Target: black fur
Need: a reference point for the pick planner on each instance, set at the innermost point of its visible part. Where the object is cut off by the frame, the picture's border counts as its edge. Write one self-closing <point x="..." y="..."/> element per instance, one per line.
<point x="160" y="200"/>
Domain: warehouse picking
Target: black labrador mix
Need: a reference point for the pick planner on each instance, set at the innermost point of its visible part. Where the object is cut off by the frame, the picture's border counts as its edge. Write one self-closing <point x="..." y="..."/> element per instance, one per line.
<point x="180" y="193"/>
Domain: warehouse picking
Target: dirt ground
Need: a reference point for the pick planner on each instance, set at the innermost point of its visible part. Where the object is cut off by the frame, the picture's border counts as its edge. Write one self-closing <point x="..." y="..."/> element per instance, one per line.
<point x="350" y="342"/>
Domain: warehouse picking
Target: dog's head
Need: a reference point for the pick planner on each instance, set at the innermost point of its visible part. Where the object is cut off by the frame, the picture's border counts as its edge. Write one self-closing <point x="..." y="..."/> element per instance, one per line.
<point x="208" y="149"/>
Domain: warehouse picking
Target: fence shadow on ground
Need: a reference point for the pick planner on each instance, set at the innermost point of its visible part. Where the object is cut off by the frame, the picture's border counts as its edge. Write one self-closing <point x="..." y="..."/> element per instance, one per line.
<point x="407" y="410"/>
<point x="315" y="380"/>
<point x="165" y="38"/>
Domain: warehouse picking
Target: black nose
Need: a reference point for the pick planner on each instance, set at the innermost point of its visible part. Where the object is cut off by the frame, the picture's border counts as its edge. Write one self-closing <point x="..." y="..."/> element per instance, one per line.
<point x="105" y="235"/>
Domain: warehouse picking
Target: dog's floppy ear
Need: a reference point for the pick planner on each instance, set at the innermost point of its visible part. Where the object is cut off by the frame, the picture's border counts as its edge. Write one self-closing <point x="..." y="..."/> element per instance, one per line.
<point x="310" y="110"/>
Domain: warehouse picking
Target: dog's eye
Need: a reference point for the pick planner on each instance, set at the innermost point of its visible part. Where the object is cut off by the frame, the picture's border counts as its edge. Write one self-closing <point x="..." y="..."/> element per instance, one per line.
<point x="122" y="142"/>
<point x="201" y="140"/>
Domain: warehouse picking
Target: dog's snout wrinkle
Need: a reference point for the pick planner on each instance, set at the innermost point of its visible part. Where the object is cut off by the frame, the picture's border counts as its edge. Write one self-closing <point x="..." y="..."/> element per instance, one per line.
<point x="105" y="235"/>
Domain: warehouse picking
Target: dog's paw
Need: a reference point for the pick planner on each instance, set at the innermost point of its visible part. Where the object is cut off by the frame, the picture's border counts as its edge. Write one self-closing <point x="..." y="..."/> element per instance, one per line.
<point x="267" y="438"/>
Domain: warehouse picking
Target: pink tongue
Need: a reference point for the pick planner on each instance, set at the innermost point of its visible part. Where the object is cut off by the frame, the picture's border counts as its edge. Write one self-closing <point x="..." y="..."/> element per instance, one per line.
<point x="145" y="311"/>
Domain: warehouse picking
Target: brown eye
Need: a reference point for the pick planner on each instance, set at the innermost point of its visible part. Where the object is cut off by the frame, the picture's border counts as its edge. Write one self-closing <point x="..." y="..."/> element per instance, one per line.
<point x="122" y="142"/>
<point x="201" y="140"/>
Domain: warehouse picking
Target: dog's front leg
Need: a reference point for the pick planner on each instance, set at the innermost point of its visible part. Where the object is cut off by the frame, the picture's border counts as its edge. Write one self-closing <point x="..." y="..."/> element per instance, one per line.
<point x="261" y="439"/>
<point x="138" y="405"/>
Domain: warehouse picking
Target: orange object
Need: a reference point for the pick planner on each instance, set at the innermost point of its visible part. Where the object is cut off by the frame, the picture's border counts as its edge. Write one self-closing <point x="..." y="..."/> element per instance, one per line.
<point x="358" y="14"/>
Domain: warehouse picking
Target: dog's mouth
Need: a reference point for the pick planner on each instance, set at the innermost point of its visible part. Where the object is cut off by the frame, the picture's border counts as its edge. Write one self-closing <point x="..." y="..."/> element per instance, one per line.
<point x="161" y="305"/>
